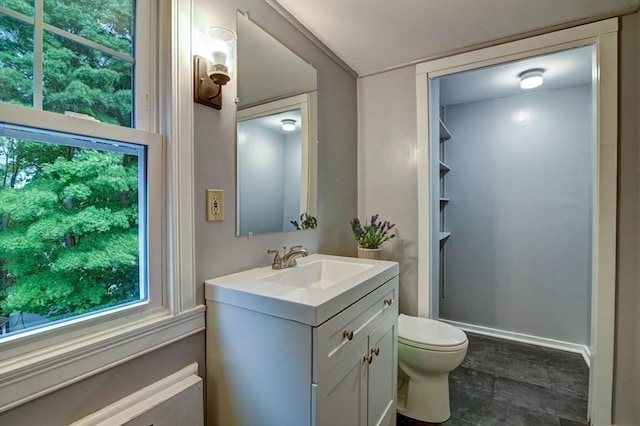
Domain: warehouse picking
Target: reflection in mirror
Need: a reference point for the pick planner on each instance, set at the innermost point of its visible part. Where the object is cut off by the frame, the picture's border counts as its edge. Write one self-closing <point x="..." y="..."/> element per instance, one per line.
<point x="276" y="169"/>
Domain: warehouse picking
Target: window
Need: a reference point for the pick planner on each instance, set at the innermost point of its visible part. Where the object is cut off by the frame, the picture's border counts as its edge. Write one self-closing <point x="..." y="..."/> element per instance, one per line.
<point x="38" y="361"/>
<point x="77" y="55"/>
<point x="73" y="206"/>
<point x="73" y="226"/>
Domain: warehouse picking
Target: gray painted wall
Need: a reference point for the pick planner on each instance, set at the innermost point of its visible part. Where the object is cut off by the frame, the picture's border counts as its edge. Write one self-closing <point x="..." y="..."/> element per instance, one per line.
<point x="217" y="249"/>
<point x="388" y="169"/>
<point x="519" y="255"/>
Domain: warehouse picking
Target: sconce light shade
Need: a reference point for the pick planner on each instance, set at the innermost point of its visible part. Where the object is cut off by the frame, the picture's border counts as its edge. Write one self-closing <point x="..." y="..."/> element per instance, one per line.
<point x="288" y="125"/>
<point x="531" y="78"/>
<point x="213" y="73"/>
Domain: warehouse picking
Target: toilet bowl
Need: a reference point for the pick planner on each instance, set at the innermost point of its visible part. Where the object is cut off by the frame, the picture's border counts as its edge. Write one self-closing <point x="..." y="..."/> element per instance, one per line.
<point x="428" y="351"/>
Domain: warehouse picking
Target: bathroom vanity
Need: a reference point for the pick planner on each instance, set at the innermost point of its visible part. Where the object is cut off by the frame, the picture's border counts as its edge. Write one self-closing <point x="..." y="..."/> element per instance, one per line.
<point x="314" y="344"/>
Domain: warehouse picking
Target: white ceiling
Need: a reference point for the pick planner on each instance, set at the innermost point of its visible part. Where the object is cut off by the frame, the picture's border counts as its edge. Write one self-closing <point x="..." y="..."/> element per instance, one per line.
<point x="375" y="35"/>
<point x="273" y="122"/>
<point x="563" y="69"/>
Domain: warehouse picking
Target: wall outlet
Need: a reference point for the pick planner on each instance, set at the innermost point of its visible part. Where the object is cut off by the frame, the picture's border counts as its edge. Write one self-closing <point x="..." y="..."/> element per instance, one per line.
<point x="215" y="205"/>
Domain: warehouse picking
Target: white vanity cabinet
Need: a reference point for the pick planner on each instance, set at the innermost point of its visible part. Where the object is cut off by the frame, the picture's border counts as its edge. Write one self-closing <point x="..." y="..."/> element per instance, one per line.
<point x="265" y="369"/>
<point x="355" y="380"/>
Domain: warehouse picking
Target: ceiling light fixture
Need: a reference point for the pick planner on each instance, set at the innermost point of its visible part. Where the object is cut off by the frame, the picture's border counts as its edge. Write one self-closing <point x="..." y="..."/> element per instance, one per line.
<point x="531" y="78"/>
<point x="288" y="125"/>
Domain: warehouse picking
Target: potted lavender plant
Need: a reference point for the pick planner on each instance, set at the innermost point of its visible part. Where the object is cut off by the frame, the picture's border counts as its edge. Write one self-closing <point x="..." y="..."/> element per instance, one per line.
<point x="371" y="235"/>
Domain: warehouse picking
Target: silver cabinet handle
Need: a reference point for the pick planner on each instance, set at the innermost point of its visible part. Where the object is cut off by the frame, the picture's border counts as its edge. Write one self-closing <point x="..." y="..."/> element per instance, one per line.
<point x="348" y="334"/>
<point x="388" y="302"/>
<point x="368" y="358"/>
<point x="376" y="350"/>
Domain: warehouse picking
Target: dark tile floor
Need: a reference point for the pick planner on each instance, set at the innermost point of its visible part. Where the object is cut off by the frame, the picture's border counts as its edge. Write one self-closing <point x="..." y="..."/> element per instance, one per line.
<point x="502" y="382"/>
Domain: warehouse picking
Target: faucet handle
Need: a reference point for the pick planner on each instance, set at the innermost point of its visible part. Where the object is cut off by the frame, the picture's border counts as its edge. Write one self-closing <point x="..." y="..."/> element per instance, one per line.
<point x="277" y="260"/>
<point x="277" y="254"/>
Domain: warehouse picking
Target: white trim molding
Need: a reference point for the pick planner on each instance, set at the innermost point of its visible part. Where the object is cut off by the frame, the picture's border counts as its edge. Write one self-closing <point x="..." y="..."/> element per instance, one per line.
<point x="52" y="368"/>
<point x="604" y="36"/>
<point x="128" y="409"/>
<point x="178" y="125"/>
<point x="583" y="350"/>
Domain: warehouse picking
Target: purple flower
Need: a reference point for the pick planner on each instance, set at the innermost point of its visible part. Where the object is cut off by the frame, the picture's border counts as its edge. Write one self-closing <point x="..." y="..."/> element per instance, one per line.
<point x="373" y="233"/>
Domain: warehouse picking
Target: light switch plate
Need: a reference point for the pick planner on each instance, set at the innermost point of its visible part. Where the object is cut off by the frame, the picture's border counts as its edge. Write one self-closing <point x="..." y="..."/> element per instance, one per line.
<point x="215" y="205"/>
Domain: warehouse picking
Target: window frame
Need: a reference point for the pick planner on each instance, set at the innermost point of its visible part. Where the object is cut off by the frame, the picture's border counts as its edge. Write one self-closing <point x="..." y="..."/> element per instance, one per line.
<point x="37" y="365"/>
<point x="143" y="57"/>
<point x="43" y="338"/>
<point x="37" y="338"/>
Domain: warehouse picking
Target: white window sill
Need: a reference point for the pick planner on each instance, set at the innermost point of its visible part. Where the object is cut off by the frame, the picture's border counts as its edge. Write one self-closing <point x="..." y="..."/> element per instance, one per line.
<point x="24" y="378"/>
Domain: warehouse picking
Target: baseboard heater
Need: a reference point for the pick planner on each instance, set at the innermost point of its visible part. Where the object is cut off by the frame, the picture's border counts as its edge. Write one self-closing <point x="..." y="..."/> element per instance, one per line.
<point x="175" y="400"/>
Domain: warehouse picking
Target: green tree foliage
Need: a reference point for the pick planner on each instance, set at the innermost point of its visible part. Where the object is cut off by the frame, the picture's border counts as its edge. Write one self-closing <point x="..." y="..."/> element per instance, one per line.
<point x="69" y="239"/>
<point x="68" y="216"/>
<point x="76" y="77"/>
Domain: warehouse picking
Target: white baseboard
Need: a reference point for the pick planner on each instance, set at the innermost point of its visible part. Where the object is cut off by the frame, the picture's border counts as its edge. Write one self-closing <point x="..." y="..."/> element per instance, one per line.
<point x="525" y="338"/>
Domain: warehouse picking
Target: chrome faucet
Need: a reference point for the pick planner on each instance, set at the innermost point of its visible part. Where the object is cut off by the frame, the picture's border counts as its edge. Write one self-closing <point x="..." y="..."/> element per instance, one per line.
<point x="289" y="259"/>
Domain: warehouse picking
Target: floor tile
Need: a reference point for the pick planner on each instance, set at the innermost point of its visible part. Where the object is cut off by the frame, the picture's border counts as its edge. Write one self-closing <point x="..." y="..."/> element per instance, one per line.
<point x="504" y="366"/>
<point x="525" y="352"/>
<point x="565" y="422"/>
<point x="540" y="399"/>
<point x="472" y="382"/>
<point x="567" y="361"/>
<point x="567" y="382"/>
<point x="470" y="410"/>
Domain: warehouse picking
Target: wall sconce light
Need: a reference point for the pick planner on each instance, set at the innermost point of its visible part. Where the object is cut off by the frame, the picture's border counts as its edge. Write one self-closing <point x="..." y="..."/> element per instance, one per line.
<point x="531" y="78"/>
<point x="211" y="74"/>
<point x="288" y="125"/>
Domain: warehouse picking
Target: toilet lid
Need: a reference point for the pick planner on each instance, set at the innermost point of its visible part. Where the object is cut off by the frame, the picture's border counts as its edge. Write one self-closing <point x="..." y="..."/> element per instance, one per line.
<point x="429" y="334"/>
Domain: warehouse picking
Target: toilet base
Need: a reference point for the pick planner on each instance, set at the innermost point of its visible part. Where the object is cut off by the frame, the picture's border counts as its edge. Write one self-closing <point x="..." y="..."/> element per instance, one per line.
<point x="426" y="400"/>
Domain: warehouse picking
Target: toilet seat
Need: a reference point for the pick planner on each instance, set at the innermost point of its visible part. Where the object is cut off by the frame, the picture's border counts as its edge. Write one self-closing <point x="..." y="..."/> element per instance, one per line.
<point x="425" y="333"/>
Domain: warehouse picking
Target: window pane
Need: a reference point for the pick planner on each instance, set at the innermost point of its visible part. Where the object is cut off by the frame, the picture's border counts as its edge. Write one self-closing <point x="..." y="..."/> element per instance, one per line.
<point x="107" y="22"/>
<point x="21" y="6"/>
<point x="16" y="61"/>
<point x="81" y="79"/>
<point x="70" y="227"/>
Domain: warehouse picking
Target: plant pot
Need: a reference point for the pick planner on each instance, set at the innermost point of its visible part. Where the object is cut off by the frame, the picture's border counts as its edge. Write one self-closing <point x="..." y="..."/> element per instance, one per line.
<point x="365" y="253"/>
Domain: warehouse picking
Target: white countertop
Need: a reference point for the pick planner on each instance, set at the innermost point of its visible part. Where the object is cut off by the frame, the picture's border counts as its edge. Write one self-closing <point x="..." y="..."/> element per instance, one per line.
<point x="251" y="290"/>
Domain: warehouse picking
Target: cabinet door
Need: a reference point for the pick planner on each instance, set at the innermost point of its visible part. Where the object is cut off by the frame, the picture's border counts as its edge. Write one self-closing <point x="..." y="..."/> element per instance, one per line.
<point x="341" y="395"/>
<point x="383" y="375"/>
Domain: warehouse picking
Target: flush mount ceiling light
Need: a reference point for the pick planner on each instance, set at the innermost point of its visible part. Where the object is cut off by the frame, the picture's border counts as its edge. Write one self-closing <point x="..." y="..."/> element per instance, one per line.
<point x="288" y="125"/>
<point x="531" y="78"/>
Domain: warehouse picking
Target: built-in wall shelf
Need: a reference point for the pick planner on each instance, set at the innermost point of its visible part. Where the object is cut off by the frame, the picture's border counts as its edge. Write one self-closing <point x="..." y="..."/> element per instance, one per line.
<point x="444" y="168"/>
<point x="445" y="134"/>
<point x="444" y="235"/>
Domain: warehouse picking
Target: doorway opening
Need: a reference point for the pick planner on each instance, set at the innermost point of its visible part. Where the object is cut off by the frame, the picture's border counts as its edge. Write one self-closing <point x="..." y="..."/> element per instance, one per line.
<point x="597" y="259"/>
<point x="511" y="200"/>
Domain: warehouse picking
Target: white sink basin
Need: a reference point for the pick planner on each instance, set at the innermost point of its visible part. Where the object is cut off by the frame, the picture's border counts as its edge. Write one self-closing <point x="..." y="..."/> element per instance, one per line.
<point x="311" y="292"/>
<point x="322" y="273"/>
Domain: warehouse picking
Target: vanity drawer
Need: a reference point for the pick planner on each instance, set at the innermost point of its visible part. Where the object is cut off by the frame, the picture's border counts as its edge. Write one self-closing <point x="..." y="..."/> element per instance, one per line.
<point x="336" y="338"/>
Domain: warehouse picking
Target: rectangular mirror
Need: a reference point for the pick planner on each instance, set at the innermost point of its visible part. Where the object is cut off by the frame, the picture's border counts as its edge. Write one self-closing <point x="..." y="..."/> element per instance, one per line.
<point x="276" y="135"/>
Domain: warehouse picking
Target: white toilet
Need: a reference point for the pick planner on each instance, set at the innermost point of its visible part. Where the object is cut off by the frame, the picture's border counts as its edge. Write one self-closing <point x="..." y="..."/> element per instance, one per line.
<point x="428" y="350"/>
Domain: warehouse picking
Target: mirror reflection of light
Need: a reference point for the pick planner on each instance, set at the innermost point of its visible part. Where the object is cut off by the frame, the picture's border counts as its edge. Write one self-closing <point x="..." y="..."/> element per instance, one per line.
<point x="522" y="116"/>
